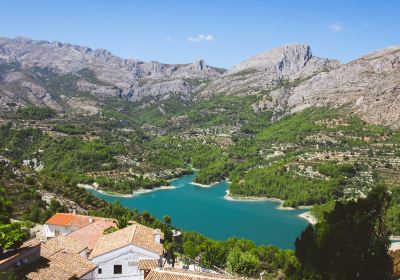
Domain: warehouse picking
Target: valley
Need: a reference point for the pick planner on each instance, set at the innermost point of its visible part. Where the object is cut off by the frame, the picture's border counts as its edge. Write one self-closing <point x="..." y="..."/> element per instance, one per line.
<point x="125" y="125"/>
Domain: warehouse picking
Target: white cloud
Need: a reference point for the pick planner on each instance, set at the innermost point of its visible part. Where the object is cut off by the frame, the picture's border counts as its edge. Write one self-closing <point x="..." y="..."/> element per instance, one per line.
<point x="201" y="38"/>
<point x="169" y="38"/>
<point x="336" y="27"/>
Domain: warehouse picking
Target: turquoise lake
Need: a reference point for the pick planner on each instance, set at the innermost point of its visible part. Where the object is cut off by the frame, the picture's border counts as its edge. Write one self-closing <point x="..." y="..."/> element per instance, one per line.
<point x="206" y="211"/>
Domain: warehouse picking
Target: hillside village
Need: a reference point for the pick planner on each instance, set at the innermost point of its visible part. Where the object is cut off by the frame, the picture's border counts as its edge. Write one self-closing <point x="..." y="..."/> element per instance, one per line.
<point x="72" y="246"/>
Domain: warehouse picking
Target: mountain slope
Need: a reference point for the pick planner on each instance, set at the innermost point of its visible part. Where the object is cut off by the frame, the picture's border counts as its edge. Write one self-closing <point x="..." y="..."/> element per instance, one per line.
<point x="269" y="70"/>
<point x="75" y="79"/>
<point x="27" y="65"/>
<point x="368" y="87"/>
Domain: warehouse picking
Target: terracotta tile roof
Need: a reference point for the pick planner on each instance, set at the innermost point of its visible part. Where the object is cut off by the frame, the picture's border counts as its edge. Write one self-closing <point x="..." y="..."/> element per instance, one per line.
<point x="89" y="234"/>
<point x="179" y="274"/>
<point x="148" y="264"/>
<point x="9" y="255"/>
<point x="69" y="220"/>
<point x="59" y="243"/>
<point x="144" y="238"/>
<point x="135" y="234"/>
<point x="72" y="220"/>
<point x="63" y="265"/>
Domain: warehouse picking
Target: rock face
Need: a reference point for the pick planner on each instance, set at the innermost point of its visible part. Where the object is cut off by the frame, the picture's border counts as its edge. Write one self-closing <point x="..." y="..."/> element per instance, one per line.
<point x="270" y="69"/>
<point x="112" y="75"/>
<point x="368" y="86"/>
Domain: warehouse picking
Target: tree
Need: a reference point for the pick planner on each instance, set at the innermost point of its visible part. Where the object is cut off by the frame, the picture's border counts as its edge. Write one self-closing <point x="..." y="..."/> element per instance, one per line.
<point x="122" y="221"/>
<point x="245" y="264"/>
<point x="12" y="236"/>
<point x="167" y="219"/>
<point x="5" y="208"/>
<point x="351" y="242"/>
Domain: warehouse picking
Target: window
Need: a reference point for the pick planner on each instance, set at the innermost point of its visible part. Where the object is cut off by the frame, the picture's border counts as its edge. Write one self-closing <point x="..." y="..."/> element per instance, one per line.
<point x="99" y="271"/>
<point x="117" y="269"/>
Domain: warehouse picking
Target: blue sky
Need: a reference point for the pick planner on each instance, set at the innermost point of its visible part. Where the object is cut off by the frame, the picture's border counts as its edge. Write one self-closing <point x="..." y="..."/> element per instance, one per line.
<point x="220" y="31"/>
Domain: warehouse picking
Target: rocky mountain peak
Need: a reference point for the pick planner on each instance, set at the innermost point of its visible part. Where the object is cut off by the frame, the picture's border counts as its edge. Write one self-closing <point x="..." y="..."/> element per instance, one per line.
<point x="285" y="60"/>
<point x="269" y="69"/>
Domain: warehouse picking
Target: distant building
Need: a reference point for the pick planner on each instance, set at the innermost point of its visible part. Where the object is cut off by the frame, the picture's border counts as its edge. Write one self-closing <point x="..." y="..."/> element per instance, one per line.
<point x="16" y="259"/>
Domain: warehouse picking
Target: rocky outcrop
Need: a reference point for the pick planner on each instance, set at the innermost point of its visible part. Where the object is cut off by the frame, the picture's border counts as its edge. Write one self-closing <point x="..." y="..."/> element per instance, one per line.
<point x="269" y="70"/>
<point x="368" y="87"/>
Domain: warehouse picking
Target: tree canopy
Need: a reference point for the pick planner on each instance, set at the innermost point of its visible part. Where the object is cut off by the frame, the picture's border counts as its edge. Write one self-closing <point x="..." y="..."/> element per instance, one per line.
<point x="351" y="242"/>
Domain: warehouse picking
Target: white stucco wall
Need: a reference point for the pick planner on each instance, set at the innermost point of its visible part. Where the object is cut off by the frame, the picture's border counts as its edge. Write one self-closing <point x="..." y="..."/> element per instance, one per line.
<point x="50" y="230"/>
<point x="128" y="257"/>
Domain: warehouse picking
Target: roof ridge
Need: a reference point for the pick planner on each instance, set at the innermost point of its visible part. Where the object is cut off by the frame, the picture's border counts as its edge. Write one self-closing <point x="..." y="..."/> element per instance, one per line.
<point x="193" y="273"/>
<point x="134" y="233"/>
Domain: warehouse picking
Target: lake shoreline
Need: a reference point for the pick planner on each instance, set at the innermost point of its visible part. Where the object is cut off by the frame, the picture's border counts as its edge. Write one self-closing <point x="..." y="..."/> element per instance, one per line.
<point x="307" y="215"/>
<point x="204" y="185"/>
<point x="134" y="193"/>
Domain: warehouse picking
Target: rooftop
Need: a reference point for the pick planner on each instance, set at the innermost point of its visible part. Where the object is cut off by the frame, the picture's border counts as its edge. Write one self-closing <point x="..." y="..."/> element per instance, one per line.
<point x="136" y="234"/>
<point x="59" y="243"/>
<point x="89" y="234"/>
<point x="180" y="274"/>
<point x="63" y="265"/>
<point x="9" y="255"/>
<point x="72" y="220"/>
<point x="148" y="264"/>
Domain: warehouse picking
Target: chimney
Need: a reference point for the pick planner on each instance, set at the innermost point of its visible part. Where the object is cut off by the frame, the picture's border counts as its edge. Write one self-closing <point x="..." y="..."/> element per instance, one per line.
<point x="157" y="235"/>
<point x="74" y="212"/>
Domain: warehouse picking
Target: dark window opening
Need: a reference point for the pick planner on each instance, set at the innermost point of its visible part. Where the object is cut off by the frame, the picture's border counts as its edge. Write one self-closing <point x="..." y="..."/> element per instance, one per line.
<point x="117" y="269"/>
<point x="99" y="271"/>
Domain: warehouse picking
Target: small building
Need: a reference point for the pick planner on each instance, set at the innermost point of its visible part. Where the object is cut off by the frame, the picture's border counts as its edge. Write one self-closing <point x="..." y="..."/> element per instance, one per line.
<point x="28" y="253"/>
<point x="128" y="253"/>
<point x="181" y="274"/>
<point x="66" y="223"/>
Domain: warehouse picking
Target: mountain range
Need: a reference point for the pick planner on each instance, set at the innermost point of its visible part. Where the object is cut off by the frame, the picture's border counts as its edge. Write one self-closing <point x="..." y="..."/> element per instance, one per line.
<point x="80" y="80"/>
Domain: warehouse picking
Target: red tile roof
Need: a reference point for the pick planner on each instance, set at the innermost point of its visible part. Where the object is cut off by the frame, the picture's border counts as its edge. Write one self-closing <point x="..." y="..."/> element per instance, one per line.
<point x="73" y="220"/>
<point x="69" y="220"/>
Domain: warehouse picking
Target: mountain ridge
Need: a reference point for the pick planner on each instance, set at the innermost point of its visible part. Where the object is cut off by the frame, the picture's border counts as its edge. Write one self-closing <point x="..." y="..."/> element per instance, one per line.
<point x="283" y="80"/>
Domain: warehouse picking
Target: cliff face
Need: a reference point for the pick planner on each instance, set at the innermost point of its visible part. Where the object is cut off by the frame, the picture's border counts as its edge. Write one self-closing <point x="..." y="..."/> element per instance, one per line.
<point x="269" y="70"/>
<point x="368" y="87"/>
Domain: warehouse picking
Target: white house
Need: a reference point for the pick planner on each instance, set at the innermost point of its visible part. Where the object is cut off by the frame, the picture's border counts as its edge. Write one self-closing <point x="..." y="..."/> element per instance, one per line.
<point x="129" y="253"/>
<point x="65" y="223"/>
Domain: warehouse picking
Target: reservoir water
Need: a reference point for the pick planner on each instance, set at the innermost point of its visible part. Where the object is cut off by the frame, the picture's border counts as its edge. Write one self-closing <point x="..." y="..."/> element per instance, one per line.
<point x="206" y="211"/>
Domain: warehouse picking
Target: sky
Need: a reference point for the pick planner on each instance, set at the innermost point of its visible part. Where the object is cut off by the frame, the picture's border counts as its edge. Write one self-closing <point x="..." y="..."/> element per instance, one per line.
<point x="220" y="31"/>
